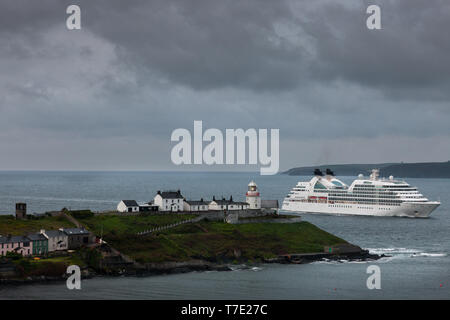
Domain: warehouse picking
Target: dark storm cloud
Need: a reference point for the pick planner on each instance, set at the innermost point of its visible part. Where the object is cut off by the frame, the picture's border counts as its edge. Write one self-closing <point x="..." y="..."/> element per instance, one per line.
<point x="201" y="44"/>
<point x="216" y="44"/>
<point x="407" y="58"/>
<point x="207" y="44"/>
<point x="139" y="69"/>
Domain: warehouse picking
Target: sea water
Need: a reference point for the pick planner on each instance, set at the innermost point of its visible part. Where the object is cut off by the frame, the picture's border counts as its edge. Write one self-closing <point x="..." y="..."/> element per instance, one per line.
<point x="419" y="249"/>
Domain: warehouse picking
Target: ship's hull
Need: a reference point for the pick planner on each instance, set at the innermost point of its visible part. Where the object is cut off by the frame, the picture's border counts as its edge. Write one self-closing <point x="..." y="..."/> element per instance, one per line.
<point x="406" y="209"/>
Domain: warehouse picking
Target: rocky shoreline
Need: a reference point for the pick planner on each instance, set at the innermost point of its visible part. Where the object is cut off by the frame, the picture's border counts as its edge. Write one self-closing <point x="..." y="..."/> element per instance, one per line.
<point x="195" y="266"/>
<point x="363" y="255"/>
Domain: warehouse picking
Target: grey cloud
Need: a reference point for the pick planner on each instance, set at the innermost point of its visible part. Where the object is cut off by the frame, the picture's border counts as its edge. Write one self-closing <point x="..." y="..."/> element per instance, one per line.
<point x="139" y="69"/>
<point x="208" y="44"/>
<point x="200" y="44"/>
<point x="407" y="59"/>
<point x="220" y="44"/>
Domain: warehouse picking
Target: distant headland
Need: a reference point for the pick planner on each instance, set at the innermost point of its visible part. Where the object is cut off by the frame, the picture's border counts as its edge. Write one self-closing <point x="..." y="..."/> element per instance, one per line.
<point x="403" y="170"/>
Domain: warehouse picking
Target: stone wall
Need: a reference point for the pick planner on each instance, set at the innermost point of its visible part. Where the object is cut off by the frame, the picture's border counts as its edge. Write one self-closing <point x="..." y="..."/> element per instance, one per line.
<point x="249" y="213"/>
<point x="212" y="215"/>
<point x="277" y="220"/>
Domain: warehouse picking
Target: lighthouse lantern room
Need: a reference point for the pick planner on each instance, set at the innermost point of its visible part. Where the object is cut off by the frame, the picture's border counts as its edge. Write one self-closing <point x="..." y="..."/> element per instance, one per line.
<point x="252" y="196"/>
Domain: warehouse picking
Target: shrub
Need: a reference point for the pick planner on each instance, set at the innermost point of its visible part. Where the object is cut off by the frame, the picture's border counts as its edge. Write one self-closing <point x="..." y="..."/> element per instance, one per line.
<point x="82" y="214"/>
<point x="14" y="255"/>
<point x="91" y="257"/>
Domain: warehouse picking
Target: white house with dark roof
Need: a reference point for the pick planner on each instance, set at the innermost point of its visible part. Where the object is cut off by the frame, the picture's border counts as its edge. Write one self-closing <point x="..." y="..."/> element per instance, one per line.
<point x="169" y="201"/>
<point x="128" y="206"/>
<point x="227" y="204"/>
<point x="57" y="240"/>
<point x="195" y="205"/>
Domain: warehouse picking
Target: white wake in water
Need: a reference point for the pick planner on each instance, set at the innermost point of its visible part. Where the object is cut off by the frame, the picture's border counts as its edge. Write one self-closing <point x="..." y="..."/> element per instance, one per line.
<point x="396" y="253"/>
<point x="425" y="254"/>
<point x="241" y="267"/>
<point x="391" y="253"/>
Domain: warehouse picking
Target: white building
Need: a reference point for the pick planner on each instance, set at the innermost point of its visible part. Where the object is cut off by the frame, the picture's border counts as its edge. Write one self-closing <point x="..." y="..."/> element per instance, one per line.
<point x="252" y="196"/>
<point x="169" y="201"/>
<point x="227" y="205"/>
<point x="194" y="205"/>
<point x="128" y="206"/>
<point x="57" y="240"/>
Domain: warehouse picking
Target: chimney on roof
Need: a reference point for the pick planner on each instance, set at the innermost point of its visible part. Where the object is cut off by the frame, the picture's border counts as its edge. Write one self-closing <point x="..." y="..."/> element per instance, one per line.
<point x="214" y="198"/>
<point x="231" y="198"/>
<point x="178" y="191"/>
<point x="42" y="231"/>
<point x="201" y="199"/>
<point x="159" y="192"/>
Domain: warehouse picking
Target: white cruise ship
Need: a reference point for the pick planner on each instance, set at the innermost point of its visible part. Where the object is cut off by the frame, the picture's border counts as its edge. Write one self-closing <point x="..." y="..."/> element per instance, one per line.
<point x="365" y="196"/>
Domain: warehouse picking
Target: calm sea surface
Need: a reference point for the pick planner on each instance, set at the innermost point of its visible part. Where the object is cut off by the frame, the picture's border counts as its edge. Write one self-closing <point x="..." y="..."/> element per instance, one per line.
<point x="418" y="269"/>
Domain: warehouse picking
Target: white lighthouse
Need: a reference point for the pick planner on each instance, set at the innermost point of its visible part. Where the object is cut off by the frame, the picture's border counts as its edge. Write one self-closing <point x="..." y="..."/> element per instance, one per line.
<point x="252" y="196"/>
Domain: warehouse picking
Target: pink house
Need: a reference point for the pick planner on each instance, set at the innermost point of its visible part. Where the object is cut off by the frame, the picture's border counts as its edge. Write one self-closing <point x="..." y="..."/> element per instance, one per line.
<point x="19" y="244"/>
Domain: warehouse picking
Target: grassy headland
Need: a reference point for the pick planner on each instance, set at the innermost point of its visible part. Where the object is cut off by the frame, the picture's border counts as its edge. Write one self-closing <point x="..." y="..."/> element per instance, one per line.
<point x="114" y="224"/>
<point x="222" y="242"/>
<point x="214" y="242"/>
<point x="9" y="225"/>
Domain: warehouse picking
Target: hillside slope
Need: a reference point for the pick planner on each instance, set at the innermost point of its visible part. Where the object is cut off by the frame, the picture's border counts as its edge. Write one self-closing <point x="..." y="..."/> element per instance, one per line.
<point x="404" y="170"/>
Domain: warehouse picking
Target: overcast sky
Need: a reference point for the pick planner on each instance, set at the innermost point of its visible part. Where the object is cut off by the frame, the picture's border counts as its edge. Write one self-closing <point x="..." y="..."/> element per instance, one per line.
<point x="108" y="96"/>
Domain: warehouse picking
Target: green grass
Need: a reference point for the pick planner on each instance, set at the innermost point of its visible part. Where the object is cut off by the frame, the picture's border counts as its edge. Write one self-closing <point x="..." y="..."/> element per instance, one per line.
<point x="52" y="266"/>
<point x="120" y="225"/>
<point x="270" y="217"/>
<point x="221" y="242"/>
<point x="9" y="225"/>
<point x="69" y="260"/>
<point x="212" y="241"/>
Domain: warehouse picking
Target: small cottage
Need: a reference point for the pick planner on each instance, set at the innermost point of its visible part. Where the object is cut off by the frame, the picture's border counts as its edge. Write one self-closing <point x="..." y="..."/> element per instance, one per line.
<point x="57" y="240"/>
<point x="227" y="204"/>
<point x="39" y="242"/>
<point x="195" y="205"/>
<point x="18" y="244"/>
<point x="128" y="206"/>
<point x="169" y="201"/>
<point x="78" y="237"/>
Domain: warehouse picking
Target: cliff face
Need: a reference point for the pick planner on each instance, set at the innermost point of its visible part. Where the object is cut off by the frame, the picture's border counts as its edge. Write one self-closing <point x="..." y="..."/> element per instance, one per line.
<point x="404" y="170"/>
